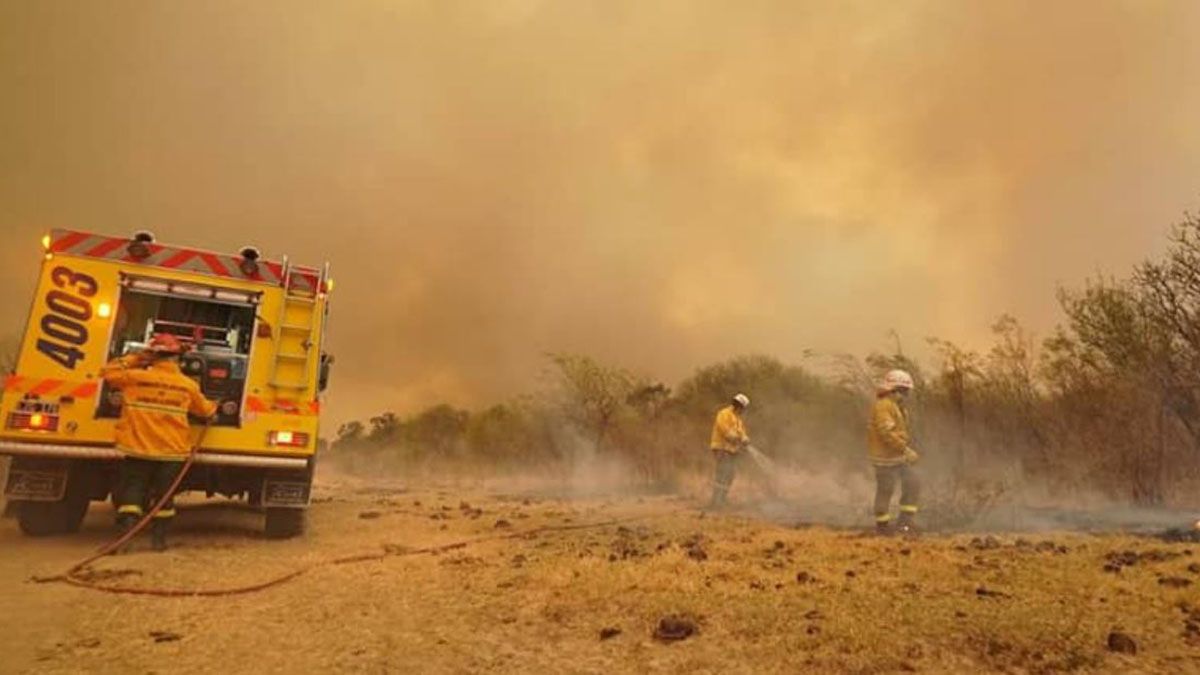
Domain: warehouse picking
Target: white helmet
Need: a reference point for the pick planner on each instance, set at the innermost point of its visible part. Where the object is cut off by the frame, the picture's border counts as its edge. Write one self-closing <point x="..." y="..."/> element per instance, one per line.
<point x="742" y="400"/>
<point x="896" y="379"/>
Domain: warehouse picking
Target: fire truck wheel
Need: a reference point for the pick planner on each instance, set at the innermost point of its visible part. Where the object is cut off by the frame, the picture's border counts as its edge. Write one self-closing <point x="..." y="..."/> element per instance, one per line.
<point x="283" y="523"/>
<point x="40" y="519"/>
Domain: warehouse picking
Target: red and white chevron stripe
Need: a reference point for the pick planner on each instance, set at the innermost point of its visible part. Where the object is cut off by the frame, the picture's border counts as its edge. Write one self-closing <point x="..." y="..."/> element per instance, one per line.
<point x="87" y="245"/>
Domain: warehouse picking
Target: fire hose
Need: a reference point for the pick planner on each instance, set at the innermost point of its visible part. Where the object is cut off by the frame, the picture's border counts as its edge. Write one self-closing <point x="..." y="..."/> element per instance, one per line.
<point x="73" y="575"/>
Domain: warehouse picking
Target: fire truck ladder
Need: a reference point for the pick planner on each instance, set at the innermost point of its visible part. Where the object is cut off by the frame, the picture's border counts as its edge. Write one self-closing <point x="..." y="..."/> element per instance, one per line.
<point x="298" y="324"/>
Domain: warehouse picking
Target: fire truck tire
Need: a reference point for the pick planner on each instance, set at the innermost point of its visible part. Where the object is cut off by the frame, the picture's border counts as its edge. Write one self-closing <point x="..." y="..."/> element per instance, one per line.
<point x="41" y="519"/>
<point x="284" y="523"/>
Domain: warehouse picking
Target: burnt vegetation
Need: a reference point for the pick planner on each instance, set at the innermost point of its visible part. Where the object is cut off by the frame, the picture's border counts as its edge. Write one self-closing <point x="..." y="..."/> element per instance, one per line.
<point x="1109" y="404"/>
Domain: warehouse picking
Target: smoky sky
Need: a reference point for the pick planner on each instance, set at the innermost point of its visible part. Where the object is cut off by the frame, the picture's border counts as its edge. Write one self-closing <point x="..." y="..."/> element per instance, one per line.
<point x="657" y="184"/>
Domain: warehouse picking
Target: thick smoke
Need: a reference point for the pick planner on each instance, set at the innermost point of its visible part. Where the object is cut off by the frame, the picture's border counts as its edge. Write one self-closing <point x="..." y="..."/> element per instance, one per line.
<point x="658" y="184"/>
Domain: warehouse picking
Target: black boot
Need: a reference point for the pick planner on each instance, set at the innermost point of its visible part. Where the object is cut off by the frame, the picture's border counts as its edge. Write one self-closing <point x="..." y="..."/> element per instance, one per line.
<point x="158" y="534"/>
<point x="125" y="521"/>
<point x="906" y="525"/>
<point x="883" y="528"/>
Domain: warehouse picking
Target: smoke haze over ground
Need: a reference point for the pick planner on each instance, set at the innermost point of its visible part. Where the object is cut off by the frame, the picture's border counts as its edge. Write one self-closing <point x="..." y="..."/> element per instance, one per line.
<point x="660" y="185"/>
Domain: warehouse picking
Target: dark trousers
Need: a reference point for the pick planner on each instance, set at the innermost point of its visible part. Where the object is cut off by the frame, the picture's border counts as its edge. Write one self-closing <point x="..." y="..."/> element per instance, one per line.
<point x="886" y="478"/>
<point x="142" y="483"/>
<point x="726" y="470"/>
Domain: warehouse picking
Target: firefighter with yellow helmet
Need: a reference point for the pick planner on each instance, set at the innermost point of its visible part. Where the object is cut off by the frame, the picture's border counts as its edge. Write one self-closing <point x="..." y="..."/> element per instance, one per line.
<point x="890" y="447"/>
<point x="153" y="431"/>
<point x="728" y="443"/>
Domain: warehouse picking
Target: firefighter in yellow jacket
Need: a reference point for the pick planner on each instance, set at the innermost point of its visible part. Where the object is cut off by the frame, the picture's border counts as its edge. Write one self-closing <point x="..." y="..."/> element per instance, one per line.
<point x="728" y="443"/>
<point x="892" y="454"/>
<point x="153" y="431"/>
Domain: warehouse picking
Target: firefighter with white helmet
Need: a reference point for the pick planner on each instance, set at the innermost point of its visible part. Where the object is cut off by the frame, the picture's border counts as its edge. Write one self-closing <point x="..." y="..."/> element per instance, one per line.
<point x="891" y="453"/>
<point x="729" y="440"/>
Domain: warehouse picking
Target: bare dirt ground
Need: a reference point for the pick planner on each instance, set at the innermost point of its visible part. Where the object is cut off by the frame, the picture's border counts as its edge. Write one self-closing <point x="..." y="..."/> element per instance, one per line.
<point x="763" y="597"/>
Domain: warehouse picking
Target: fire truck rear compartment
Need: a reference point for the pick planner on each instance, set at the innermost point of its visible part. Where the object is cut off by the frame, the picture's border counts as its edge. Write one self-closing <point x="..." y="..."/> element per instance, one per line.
<point x="217" y="324"/>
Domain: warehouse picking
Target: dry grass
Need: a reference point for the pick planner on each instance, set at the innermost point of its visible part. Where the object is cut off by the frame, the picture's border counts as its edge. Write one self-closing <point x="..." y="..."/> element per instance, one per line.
<point x="538" y="604"/>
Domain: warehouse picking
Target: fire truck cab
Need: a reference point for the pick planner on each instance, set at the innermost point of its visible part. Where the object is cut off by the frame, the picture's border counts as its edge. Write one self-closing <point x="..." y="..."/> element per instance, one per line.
<point x="256" y="332"/>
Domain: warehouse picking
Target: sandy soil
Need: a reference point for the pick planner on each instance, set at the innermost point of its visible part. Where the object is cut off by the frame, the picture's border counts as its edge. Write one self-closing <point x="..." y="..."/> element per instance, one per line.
<point x="764" y="597"/>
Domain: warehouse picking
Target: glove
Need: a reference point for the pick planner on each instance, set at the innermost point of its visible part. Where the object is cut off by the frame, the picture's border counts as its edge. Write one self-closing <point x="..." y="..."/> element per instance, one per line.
<point x="910" y="456"/>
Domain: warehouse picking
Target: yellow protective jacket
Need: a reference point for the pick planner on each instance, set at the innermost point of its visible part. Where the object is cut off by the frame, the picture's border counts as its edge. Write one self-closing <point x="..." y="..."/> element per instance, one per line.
<point x="887" y="433"/>
<point x="155" y="404"/>
<point x="729" y="432"/>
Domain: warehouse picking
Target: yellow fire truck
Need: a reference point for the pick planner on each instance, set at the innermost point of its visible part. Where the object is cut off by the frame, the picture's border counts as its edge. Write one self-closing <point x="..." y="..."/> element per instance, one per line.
<point x="256" y="332"/>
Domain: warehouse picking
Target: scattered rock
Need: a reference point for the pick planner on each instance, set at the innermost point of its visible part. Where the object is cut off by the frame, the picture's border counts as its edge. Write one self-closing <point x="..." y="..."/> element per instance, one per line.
<point x="1194" y="568"/>
<point x="693" y="546"/>
<point x="905" y="551"/>
<point x="165" y="636"/>
<point x="675" y="627"/>
<point x="1118" y="559"/>
<point x="88" y="643"/>
<point x="1174" y="582"/>
<point x="814" y="615"/>
<point x="609" y="632"/>
<point x="988" y="542"/>
<point x="813" y="630"/>
<point x="502" y="524"/>
<point x="850" y="574"/>
<point x="1122" y="559"/>
<point x="1121" y="643"/>
<point x="369" y="515"/>
<point x="624" y="548"/>
<point x="1047" y="546"/>
<point x="985" y="592"/>
<point x="805" y="578"/>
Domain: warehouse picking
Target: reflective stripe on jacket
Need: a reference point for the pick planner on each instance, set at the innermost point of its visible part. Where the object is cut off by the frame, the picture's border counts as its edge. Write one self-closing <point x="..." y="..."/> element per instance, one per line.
<point x="887" y="433"/>
<point x="155" y="404"/>
<point x="729" y="432"/>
